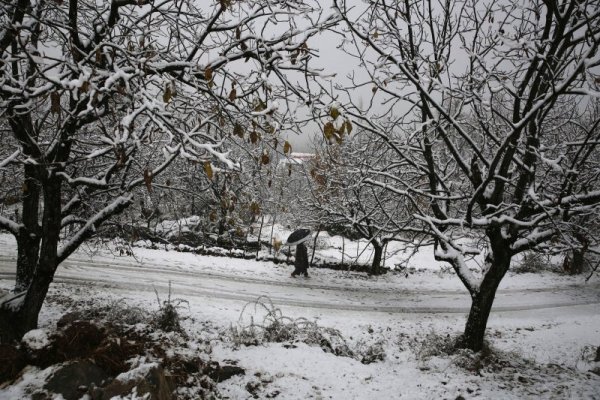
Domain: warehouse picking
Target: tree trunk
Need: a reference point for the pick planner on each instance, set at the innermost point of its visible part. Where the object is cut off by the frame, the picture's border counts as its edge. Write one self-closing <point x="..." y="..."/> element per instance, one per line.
<point x="312" y="258"/>
<point x="578" y="262"/>
<point x="21" y="316"/>
<point x="481" y="305"/>
<point x="28" y="238"/>
<point x="377" y="257"/>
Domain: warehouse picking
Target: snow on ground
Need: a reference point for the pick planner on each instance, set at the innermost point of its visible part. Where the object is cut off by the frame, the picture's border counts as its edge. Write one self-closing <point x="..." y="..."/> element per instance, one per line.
<point x="540" y="353"/>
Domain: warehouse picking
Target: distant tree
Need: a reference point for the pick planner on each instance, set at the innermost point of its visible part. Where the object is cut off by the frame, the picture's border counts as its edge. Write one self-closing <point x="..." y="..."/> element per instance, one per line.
<point x="97" y="99"/>
<point x="469" y="98"/>
<point x="341" y="197"/>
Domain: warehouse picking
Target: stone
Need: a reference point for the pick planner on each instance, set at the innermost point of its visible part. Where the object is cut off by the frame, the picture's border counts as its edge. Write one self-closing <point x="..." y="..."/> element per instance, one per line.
<point x="154" y="383"/>
<point x="73" y="380"/>
<point x="222" y="373"/>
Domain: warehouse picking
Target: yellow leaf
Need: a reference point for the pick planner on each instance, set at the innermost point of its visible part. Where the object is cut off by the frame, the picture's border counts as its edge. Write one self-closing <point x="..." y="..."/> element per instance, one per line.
<point x="232" y="94"/>
<point x="287" y="147"/>
<point x="238" y="130"/>
<point x="208" y="170"/>
<point x="99" y="56"/>
<point x="208" y="76"/>
<point x="328" y="130"/>
<point x="167" y="94"/>
<point x="265" y="159"/>
<point x="334" y="113"/>
<point x="254" y="137"/>
<point x="348" y="126"/>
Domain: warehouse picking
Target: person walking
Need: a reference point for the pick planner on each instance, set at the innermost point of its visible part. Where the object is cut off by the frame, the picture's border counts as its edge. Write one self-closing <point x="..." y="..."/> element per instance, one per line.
<point x="297" y="238"/>
<point x="301" y="261"/>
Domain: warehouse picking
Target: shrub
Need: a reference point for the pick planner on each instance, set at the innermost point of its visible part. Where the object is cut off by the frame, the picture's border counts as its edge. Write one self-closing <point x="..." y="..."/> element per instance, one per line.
<point x="167" y="318"/>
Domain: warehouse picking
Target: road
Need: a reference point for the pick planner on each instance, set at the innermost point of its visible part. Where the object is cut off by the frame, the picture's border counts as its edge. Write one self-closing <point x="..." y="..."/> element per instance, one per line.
<point x="129" y="277"/>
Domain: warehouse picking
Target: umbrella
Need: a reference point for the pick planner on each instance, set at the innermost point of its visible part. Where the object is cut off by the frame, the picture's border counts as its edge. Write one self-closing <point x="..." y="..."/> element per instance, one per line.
<point x="298" y="236"/>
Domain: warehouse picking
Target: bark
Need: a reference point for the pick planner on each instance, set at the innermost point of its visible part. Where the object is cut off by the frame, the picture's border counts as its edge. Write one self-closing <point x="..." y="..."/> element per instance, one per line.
<point x="262" y="221"/>
<point x="377" y="257"/>
<point x="28" y="238"/>
<point x="578" y="261"/>
<point x="312" y="258"/>
<point x="15" y="321"/>
<point x="482" y="301"/>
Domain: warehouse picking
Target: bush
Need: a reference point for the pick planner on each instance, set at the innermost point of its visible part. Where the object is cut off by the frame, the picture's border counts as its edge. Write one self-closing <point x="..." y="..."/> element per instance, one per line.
<point x="261" y="322"/>
<point x="167" y="317"/>
<point x="533" y="262"/>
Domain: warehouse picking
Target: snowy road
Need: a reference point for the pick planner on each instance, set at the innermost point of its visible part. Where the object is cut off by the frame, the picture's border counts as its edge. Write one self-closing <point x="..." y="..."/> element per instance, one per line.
<point x="322" y="292"/>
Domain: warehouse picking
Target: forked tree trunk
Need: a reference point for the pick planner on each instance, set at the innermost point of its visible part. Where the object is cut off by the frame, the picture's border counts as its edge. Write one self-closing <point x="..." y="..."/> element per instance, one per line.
<point x="20" y="316"/>
<point x="481" y="304"/>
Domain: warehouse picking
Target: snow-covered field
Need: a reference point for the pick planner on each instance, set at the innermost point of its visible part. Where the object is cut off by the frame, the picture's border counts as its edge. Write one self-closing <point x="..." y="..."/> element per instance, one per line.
<point x="541" y="331"/>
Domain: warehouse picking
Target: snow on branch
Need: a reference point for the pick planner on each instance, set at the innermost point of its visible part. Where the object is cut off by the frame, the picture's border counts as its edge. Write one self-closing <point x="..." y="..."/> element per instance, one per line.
<point x="10" y="159"/>
<point x="10" y="225"/>
<point x="114" y="208"/>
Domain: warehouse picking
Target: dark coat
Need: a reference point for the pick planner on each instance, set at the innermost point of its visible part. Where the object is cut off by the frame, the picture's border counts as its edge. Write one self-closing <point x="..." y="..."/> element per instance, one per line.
<point x="301" y="262"/>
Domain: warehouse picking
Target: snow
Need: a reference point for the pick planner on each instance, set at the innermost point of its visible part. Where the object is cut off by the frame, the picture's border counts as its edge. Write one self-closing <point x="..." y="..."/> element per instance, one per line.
<point x="31" y="377"/>
<point x="137" y="373"/>
<point x="37" y="339"/>
<point x="540" y="325"/>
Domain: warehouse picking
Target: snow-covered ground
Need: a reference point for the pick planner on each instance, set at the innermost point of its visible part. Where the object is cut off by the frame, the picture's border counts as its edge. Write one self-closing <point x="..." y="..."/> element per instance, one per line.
<point x="541" y="330"/>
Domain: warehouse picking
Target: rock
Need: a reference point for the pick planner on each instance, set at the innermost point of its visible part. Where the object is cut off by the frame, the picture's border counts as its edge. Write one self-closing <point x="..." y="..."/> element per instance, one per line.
<point x="253" y="387"/>
<point x="154" y="383"/>
<point x="222" y="373"/>
<point x="73" y="380"/>
<point x="77" y="340"/>
<point x="12" y="361"/>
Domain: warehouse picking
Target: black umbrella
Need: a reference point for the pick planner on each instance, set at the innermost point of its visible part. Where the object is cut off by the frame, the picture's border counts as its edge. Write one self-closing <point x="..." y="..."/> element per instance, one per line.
<point x="298" y="236"/>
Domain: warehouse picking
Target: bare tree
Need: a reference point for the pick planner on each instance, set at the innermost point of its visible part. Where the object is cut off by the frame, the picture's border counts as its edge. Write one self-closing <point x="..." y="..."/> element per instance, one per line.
<point x="98" y="100"/>
<point x="469" y="97"/>
<point x="341" y="198"/>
